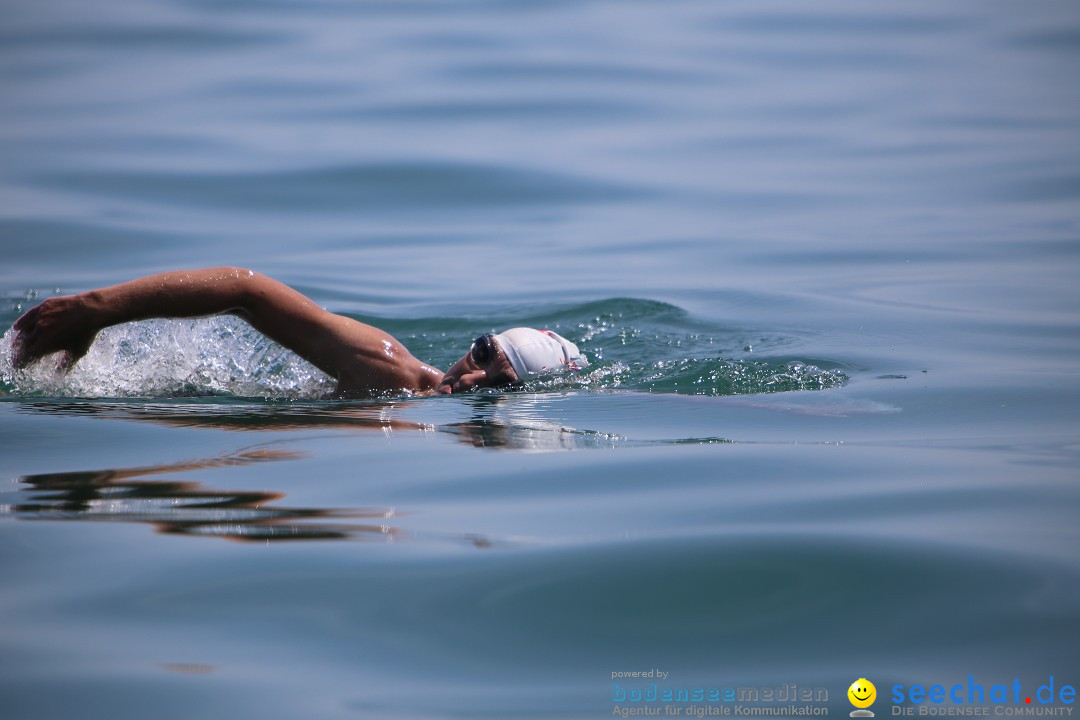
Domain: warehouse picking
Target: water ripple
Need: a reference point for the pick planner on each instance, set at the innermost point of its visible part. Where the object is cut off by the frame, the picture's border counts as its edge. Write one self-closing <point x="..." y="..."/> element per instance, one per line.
<point x="354" y="188"/>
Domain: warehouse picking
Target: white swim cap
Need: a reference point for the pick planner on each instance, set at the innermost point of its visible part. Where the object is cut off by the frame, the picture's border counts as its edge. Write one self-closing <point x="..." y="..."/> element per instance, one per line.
<point x="532" y="352"/>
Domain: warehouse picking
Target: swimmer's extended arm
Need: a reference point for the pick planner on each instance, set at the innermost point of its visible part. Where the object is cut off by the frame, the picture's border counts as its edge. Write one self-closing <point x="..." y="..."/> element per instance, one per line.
<point x="359" y="356"/>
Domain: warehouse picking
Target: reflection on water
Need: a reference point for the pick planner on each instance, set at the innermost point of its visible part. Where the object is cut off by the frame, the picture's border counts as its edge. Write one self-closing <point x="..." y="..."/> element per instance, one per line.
<point x="500" y="421"/>
<point x="190" y="508"/>
<point x="240" y="417"/>
<point x="513" y="422"/>
<point x="517" y="422"/>
<point x="129" y="494"/>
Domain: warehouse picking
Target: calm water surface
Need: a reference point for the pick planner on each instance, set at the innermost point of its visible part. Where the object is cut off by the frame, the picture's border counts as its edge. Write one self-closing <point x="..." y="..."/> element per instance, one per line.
<point x="823" y="258"/>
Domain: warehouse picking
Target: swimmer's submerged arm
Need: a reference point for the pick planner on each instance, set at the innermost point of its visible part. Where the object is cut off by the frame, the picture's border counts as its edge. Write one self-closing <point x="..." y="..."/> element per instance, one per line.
<point x="349" y="351"/>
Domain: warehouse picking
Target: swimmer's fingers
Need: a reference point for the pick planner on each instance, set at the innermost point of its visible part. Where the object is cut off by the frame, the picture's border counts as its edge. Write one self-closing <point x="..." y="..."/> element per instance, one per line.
<point x="68" y="360"/>
<point x="24" y="331"/>
<point x="18" y="353"/>
<point x="24" y="350"/>
<point x="29" y="348"/>
<point x="23" y="345"/>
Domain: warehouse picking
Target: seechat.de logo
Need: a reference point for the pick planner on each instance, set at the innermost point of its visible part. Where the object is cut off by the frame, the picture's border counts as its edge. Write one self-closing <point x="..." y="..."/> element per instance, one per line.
<point x="862" y="695"/>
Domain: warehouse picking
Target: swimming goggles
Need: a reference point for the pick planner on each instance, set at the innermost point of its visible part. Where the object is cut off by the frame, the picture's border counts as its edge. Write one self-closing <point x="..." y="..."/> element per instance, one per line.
<point x="483" y="349"/>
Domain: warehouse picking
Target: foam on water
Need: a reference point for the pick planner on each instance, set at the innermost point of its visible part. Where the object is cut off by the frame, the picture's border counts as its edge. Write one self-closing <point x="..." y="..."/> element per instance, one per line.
<point x="155" y="358"/>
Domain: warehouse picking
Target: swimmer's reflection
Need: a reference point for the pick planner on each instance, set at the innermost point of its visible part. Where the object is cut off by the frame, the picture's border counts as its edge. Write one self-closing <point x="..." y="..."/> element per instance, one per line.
<point x="516" y="423"/>
<point x="497" y="421"/>
<point x="249" y="416"/>
<point x="189" y="508"/>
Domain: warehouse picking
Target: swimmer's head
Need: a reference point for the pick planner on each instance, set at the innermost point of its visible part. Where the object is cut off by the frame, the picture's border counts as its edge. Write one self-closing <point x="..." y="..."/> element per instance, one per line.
<point x="538" y="352"/>
<point x="511" y="357"/>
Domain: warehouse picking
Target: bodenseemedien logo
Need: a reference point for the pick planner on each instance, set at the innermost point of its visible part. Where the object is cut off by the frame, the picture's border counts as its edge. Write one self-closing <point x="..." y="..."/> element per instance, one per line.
<point x="862" y="694"/>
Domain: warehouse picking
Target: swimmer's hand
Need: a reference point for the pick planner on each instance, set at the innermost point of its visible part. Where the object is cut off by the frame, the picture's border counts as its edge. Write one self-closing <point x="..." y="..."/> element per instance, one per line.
<point x="60" y="324"/>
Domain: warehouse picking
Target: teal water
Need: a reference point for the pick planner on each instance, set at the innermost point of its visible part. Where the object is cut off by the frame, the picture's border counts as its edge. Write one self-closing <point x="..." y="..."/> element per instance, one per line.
<point x="823" y="260"/>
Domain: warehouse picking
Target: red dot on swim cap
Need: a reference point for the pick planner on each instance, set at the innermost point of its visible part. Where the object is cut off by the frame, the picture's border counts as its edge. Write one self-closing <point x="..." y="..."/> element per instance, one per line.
<point x="1027" y="700"/>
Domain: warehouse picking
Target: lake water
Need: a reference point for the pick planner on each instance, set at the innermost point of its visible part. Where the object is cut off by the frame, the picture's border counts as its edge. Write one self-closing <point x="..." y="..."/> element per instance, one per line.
<point x="824" y="259"/>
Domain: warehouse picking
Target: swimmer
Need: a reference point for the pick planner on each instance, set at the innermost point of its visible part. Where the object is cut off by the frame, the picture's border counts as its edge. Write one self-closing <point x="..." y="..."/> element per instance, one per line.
<point x="363" y="359"/>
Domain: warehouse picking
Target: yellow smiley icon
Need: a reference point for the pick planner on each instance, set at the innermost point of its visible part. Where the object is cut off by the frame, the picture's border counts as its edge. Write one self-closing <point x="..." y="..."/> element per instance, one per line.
<point x="862" y="693"/>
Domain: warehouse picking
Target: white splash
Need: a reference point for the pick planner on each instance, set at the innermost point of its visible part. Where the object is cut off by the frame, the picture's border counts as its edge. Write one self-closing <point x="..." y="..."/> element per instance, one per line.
<point x="155" y="358"/>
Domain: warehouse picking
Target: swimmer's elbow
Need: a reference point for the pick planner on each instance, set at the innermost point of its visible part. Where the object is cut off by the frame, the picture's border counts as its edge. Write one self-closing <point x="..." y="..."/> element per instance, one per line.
<point x="254" y="290"/>
<point x="241" y="286"/>
<point x="244" y="277"/>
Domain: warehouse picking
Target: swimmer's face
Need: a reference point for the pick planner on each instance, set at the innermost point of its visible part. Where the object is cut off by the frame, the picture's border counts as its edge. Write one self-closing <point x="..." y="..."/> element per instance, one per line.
<point x="485" y="365"/>
<point x="862" y="693"/>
